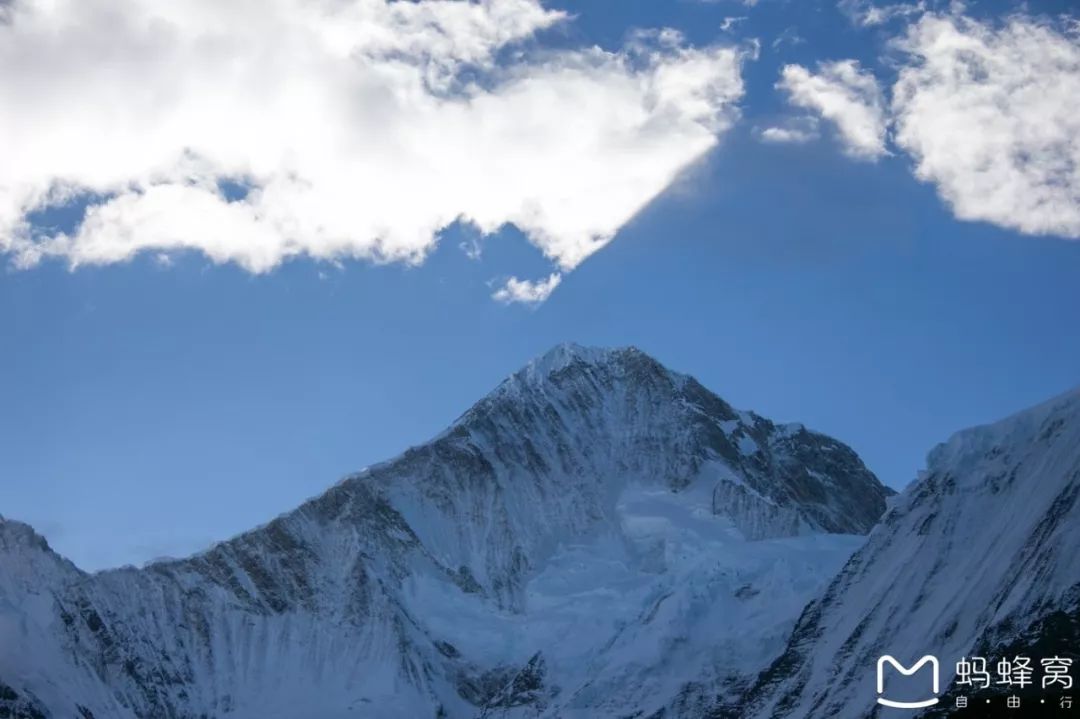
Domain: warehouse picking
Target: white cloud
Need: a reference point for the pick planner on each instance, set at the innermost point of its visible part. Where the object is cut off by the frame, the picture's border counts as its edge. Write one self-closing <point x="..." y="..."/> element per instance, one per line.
<point x="527" y="291"/>
<point x="795" y="131"/>
<point x="846" y="95"/>
<point x="362" y="127"/>
<point x="784" y="135"/>
<point x="991" y="115"/>
<point x="989" y="112"/>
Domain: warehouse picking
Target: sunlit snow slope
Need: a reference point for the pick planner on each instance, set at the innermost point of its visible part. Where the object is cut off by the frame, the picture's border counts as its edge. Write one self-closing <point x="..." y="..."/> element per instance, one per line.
<point x="599" y="537"/>
<point x="979" y="557"/>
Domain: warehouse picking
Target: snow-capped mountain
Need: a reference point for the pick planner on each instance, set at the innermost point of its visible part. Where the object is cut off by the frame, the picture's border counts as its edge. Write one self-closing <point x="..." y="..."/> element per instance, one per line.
<point x="598" y="537"/>
<point x="978" y="558"/>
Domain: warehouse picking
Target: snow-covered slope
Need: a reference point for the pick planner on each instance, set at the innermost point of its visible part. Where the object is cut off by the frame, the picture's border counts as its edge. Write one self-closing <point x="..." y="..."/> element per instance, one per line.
<point x="977" y="558"/>
<point x="597" y="537"/>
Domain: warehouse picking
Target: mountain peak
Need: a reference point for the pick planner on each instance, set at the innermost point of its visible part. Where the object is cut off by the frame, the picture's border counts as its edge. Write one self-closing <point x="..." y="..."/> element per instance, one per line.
<point x="586" y="410"/>
<point x="592" y="480"/>
<point x="568" y="354"/>
<point x="569" y="365"/>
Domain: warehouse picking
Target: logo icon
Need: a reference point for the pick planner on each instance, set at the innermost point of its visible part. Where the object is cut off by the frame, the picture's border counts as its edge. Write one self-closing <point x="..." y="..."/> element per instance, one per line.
<point x="928" y="659"/>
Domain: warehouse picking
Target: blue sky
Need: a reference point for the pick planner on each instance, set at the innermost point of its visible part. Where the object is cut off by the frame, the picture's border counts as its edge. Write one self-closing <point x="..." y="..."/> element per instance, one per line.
<point x="152" y="406"/>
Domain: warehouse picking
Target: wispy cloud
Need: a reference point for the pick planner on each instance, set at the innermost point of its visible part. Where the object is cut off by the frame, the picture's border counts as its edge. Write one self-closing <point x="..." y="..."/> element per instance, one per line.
<point x="358" y="128"/>
<point x="789" y="36"/>
<point x="866" y="13"/>
<point x="846" y="95"/>
<point x="729" y="23"/>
